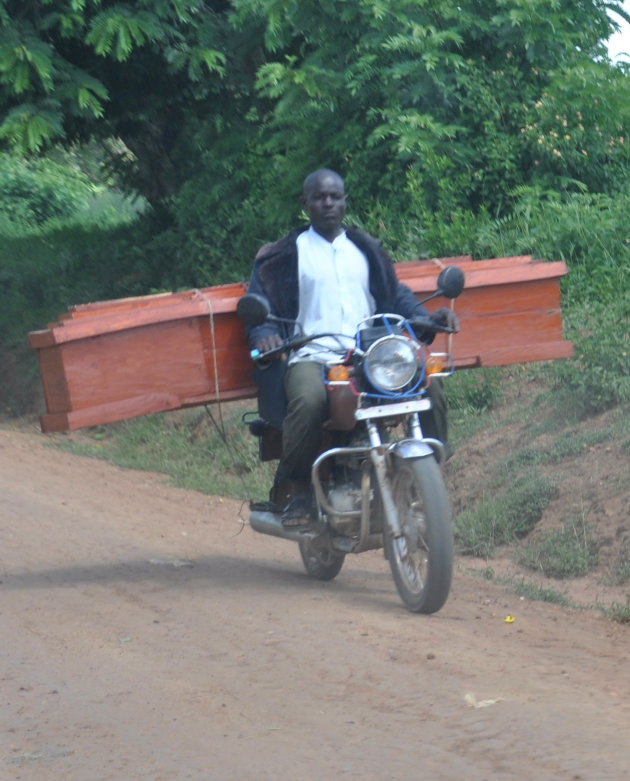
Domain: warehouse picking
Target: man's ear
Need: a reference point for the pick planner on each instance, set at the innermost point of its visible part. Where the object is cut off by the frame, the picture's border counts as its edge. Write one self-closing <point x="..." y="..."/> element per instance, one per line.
<point x="303" y="210"/>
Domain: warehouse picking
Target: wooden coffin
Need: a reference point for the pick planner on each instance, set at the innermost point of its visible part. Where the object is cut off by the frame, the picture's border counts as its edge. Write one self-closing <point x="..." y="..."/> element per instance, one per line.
<point x="114" y="360"/>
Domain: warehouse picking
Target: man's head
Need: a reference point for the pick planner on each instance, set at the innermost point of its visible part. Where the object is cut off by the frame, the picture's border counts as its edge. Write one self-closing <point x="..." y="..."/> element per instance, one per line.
<point x="324" y="200"/>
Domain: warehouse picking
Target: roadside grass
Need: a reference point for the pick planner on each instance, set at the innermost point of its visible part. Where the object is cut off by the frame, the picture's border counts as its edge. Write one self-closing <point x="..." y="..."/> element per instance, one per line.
<point x="618" y="611"/>
<point x="565" y="446"/>
<point x="536" y="593"/>
<point x="567" y="552"/>
<point x="621" y="566"/>
<point x="522" y="588"/>
<point x="505" y="516"/>
<point x="197" y="449"/>
<point x="523" y="484"/>
<point x="514" y="492"/>
<point x="470" y="392"/>
<point x="469" y="395"/>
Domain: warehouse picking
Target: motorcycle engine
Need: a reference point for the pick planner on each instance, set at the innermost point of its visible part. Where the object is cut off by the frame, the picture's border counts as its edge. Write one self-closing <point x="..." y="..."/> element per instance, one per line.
<point x="345" y="499"/>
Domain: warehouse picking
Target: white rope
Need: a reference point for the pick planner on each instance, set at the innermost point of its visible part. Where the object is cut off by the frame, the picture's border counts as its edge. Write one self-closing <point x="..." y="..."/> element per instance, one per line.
<point x="215" y="363"/>
<point x="221" y="427"/>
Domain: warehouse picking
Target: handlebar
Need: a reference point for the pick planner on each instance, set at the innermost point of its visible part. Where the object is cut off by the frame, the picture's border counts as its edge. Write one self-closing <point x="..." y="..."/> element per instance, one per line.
<point x="289" y="344"/>
<point x="418" y="325"/>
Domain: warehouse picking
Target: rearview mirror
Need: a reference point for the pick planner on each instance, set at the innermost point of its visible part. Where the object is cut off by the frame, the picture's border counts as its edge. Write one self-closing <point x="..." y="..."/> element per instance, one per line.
<point x="450" y="282"/>
<point x="253" y="309"/>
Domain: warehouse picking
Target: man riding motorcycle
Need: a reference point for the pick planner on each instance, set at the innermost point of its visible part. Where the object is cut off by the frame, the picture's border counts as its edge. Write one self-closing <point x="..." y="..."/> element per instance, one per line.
<point x="327" y="278"/>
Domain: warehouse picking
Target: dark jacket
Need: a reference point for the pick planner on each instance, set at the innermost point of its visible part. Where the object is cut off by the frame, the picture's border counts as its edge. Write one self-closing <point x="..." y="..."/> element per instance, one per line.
<point x="275" y="276"/>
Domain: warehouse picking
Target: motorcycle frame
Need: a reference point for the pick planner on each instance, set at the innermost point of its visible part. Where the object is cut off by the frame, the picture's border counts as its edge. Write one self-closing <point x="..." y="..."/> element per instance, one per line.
<point x="379" y="456"/>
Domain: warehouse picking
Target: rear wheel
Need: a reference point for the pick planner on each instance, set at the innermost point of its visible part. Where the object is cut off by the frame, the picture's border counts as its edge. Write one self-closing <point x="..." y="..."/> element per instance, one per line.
<point x="320" y="561"/>
<point x="421" y="559"/>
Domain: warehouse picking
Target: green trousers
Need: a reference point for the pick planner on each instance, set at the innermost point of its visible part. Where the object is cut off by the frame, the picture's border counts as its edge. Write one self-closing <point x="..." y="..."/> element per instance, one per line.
<point x="308" y="410"/>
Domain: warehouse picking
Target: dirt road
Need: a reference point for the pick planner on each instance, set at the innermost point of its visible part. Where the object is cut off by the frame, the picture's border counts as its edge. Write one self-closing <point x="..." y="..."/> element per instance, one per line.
<point x="144" y="637"/>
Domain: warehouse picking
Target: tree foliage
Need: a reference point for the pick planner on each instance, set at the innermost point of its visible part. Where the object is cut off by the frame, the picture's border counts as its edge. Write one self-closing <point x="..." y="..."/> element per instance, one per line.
<point x="432" y="112"/>
<point x="443" y="92"/>
<point x="75" y="69"/>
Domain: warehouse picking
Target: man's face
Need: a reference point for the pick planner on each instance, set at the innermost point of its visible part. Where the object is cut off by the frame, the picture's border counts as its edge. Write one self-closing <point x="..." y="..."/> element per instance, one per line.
<point x="325" y="203"/>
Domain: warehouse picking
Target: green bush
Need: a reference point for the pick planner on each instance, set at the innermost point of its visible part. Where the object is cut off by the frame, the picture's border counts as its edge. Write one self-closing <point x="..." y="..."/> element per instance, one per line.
<point x="588" y="231"/>
<point x="473" y="391"/>
<point x="32" y="192"/>
<point x="598" y="375"/>
<point x="44" y="272"/>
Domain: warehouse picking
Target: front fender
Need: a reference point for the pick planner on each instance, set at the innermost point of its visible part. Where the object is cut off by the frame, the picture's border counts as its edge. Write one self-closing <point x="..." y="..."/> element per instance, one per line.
<point x="418" y="448"/>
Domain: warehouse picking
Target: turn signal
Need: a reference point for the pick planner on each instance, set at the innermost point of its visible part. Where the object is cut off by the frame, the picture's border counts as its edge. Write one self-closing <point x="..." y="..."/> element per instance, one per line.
<point x="338" y="373"/>
<point x="434" y="364"/>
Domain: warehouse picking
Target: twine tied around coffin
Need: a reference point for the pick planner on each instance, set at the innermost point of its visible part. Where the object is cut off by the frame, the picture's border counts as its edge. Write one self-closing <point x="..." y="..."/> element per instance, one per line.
<point x="215" y="364"/>
<point x="220" y="427"/>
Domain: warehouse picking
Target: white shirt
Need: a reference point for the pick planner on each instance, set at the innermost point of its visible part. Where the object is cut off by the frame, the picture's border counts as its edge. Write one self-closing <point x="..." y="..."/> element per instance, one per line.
<point x="333" y="280"/>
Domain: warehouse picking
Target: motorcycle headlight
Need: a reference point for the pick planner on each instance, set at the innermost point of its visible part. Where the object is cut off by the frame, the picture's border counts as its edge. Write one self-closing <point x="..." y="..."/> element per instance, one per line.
<point x="391" y="363"/>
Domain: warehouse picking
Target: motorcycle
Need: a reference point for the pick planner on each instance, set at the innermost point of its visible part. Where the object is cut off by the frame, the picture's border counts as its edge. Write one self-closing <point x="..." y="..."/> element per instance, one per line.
<point x="378" y="481"/>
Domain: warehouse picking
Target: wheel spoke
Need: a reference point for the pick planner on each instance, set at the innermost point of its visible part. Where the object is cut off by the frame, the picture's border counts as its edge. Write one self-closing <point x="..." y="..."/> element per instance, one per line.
<point x="413" y="552"/>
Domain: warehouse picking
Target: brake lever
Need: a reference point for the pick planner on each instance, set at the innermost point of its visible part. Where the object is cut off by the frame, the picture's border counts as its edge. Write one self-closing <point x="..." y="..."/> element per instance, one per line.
<point x="420" y="324"/>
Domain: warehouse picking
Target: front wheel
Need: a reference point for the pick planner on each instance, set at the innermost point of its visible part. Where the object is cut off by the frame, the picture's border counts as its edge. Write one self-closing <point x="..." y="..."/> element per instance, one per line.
<point x="421" y="559"/>
<point x="320" y="562"/>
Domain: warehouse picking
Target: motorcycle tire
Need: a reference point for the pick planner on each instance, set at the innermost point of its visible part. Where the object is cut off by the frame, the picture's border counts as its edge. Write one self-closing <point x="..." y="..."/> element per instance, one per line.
<point x="323" y="565"/>
<point x="421" y="559"/>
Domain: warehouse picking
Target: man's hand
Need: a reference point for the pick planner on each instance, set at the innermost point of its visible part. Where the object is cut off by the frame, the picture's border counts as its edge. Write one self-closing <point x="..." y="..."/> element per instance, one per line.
<point x="270" y="343"/>
<point x="446" y="317"/>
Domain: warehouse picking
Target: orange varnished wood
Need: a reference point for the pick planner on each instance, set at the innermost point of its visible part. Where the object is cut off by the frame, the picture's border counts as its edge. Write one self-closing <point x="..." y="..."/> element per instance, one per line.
<point x="106" y="320"/>
<point x="54" y="380"/>
<point x="112" y="360"/>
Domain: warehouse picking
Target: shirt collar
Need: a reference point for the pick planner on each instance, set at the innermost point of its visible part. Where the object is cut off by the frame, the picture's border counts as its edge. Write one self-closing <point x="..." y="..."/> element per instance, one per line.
<point x="314" y="235"/>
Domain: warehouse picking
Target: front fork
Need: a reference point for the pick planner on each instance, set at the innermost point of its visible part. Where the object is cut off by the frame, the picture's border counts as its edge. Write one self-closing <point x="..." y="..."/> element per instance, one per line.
<point x="378" y="456"/>
<point x="414" y="446"/>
